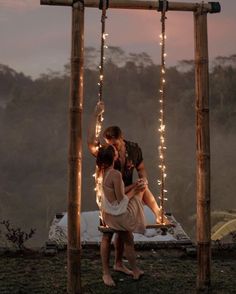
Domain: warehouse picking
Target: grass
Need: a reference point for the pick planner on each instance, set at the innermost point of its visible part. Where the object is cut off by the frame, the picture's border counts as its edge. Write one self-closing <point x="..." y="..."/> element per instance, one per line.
<point x="165" y="272"/>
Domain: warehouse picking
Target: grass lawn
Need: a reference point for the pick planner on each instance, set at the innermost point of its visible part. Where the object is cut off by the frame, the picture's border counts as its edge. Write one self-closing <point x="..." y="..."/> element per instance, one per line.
<point x="166" y="271"/>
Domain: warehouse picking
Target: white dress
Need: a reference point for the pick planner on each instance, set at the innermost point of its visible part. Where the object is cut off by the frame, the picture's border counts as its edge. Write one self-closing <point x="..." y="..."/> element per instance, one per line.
<point x="126" y="215"/>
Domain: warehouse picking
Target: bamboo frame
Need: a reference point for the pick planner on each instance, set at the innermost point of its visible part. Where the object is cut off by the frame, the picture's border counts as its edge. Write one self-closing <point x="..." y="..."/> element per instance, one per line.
<point x="202" y="150"/>
<point x="202" y="129"/>
<point x="137" y="4"/>
<point x="75" y="150"/>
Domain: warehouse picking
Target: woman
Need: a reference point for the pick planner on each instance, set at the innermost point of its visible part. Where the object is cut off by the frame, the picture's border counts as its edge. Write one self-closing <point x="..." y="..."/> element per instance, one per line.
<point x="120" y="211"/>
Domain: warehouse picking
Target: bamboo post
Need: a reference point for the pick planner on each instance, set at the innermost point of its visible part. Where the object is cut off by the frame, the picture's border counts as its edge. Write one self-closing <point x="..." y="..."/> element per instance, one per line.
<point x="75" y="149"/>
<point x="203" y="151"/>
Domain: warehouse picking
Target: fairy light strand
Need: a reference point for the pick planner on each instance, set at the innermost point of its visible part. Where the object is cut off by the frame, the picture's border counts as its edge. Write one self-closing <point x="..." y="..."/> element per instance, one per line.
<point x="101" y="69"/>
<point x="98" y="176"/>
<point x="162" y="92"/>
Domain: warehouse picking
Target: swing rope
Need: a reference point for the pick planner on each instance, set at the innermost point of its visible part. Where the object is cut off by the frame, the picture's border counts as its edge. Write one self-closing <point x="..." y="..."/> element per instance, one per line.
<point x="164" y="6"/>
<point x="103" y="5"/>
<point x="162" y="95"/>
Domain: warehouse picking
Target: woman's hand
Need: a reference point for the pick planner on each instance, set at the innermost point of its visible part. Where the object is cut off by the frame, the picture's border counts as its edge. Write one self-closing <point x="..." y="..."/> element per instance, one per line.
<point x="99" y="109"/>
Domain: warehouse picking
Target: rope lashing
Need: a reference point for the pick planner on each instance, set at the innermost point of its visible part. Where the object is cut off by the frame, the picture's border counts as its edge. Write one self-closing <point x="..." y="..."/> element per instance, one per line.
<point x="74" y="2"/>
<point x="163" y="5"/>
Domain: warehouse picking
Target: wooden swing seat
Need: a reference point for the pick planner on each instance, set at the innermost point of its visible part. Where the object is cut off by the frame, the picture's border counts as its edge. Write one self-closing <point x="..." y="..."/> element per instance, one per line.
<point x="163" y="227"/>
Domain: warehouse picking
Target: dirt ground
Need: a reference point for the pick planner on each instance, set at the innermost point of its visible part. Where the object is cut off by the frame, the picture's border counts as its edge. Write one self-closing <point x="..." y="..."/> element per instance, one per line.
<point x="166" y="271"/>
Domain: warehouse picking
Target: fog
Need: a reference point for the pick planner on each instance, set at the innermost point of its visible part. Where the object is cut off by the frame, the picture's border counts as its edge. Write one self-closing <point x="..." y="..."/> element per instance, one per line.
<point x="34" y="136"/>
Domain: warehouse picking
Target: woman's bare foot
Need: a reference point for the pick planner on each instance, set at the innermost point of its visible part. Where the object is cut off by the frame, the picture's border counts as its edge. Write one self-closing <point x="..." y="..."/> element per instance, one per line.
<point x="122" y="268"/>
<point x="166" y="221"/>
<point x="137" y="273"/>
<point x="108" y="281"/>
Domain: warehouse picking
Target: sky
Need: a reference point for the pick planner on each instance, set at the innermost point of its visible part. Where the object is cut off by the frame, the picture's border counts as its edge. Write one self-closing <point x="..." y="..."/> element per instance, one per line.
<point x="35" y="38"/>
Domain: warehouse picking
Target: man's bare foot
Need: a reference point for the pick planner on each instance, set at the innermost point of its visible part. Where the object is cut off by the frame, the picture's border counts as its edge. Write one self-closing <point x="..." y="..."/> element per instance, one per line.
<point x="137" y="274"/>
<point x="123" y="269"/>
<point x="108" y="281"/>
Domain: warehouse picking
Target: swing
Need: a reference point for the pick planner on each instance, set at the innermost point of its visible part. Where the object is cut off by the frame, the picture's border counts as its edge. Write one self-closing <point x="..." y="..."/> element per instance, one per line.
<point x="164" y="227"/>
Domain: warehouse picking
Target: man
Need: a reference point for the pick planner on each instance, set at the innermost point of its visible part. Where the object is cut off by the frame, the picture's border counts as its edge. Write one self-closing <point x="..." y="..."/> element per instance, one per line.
<point x="130" y="158"/>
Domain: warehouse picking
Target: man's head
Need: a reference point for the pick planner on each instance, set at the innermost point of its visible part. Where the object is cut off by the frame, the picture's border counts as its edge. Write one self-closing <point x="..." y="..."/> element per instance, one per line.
<point x="113" y="136"/>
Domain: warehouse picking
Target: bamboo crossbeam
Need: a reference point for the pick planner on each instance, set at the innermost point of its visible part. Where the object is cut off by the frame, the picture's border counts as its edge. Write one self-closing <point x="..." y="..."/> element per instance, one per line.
<point x="212" y="7"/>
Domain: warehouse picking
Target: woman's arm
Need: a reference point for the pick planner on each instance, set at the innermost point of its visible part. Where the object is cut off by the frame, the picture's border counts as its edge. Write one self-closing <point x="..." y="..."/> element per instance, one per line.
<point x="130" y="187"/>
<point x="119" y="189"/>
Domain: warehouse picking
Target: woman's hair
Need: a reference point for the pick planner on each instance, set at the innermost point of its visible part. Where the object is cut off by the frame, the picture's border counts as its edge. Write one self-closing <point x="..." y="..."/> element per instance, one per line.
<point x="105" y="156"/>
<point x="112" y="132"/>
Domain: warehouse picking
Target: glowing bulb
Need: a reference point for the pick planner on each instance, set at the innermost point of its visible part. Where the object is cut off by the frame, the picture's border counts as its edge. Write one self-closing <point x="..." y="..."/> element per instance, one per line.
<point x="162" y="127"/>
<point x="104" y="36"/>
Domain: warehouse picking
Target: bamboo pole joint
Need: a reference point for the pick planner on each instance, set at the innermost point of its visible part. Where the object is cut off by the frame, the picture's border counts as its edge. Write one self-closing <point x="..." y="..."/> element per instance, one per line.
<point x="77" y="3"/>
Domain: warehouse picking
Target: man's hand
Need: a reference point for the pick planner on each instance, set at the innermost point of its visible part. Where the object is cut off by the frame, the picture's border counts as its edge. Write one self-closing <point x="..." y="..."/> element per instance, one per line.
<point x="141" y="185"/>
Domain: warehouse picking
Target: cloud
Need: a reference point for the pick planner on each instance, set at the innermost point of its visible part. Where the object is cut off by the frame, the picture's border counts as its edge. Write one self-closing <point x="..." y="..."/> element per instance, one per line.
<point x="3" y="18"/>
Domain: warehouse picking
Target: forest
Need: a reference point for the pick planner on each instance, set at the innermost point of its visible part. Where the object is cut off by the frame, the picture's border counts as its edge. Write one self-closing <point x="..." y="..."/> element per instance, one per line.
<point x="34" y="134"/>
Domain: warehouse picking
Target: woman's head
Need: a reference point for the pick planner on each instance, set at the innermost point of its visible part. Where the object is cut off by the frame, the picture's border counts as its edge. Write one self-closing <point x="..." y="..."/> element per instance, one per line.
<point x="105" y="157"/>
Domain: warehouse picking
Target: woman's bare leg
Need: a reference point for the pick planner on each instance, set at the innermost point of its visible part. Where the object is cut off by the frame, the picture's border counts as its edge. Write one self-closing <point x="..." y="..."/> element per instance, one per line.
<point x="150" y="201"/>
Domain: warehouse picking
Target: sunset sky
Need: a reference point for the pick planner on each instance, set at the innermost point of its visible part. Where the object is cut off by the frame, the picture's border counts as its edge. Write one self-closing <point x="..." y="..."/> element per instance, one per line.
<point x="36" y="38"/>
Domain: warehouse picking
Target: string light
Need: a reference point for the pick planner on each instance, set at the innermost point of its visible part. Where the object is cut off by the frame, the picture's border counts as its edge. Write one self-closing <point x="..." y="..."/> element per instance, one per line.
<point x="161" y="129"/>
<point x="104" y="35"/>
<point x="98" y="176"/>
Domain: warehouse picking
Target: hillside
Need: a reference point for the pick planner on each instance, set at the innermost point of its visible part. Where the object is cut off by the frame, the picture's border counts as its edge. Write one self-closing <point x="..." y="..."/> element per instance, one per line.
<point x="34" y="136"/>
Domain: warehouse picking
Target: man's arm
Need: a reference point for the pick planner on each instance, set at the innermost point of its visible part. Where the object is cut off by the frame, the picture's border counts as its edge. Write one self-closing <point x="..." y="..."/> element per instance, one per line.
<point x="141" y="170"/>
<point x="92" y="141"/>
